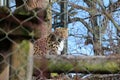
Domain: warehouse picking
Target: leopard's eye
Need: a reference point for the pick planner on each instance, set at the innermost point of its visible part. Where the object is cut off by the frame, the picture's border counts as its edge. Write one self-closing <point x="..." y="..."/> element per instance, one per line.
<point x="59" y="40"/>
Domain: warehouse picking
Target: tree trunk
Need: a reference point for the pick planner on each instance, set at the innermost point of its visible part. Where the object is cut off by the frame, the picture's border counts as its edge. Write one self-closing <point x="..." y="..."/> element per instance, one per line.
<point x="5" y="74"/>
<point x="21" y="63"/>
<point x="95" y="26"/>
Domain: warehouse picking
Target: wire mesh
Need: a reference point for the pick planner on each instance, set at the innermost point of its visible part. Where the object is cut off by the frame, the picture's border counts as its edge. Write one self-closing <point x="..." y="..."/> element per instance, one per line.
<point x="93" y="30"/>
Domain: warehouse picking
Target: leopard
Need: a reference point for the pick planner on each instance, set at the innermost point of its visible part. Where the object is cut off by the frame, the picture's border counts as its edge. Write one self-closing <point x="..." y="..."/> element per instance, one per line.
<point x="52" y="44"/>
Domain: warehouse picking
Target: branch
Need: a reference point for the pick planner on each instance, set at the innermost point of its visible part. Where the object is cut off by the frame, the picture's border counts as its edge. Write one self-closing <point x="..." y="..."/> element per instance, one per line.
<point x="112" y="7"/>
<point x="79" y="7"/>
<point x="82" y="21"/>
<point x="108" y="15"/>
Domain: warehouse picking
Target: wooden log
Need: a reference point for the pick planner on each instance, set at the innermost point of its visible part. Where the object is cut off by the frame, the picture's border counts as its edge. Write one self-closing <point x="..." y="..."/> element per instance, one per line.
<point x="82" y="64"/>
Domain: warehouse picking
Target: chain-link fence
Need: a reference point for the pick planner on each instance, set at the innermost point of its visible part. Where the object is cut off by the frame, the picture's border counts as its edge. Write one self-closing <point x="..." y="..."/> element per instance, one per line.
<point x="93" y="30"/>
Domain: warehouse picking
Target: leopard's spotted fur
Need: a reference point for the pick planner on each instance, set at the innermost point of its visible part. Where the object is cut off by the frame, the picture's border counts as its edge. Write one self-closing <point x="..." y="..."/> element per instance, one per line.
<point x="52" y="44"/>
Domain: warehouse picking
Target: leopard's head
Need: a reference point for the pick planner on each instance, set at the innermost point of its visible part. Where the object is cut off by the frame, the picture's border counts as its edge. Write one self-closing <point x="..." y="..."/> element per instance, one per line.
<point x="61" y="32"/>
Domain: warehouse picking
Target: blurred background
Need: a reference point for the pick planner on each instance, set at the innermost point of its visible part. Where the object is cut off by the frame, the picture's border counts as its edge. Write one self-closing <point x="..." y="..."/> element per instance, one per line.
<point x="94" y="30"/>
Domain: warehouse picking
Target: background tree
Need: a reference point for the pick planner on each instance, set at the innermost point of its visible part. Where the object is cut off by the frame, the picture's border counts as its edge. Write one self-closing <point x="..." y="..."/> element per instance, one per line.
<point x="99" y="19"/>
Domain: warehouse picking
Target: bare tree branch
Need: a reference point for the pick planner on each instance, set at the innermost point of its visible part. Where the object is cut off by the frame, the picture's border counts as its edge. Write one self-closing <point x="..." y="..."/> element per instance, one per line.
<point x="79" y="7"/>
<point x="108" y="15"/>
<point x="113" y="6"/>
<point x="83" y="22"/>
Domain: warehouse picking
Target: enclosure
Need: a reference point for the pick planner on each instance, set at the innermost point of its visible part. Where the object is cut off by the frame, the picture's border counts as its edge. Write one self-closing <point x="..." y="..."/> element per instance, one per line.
<point x="91" y="50"/>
